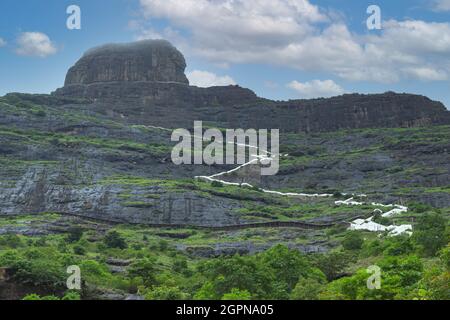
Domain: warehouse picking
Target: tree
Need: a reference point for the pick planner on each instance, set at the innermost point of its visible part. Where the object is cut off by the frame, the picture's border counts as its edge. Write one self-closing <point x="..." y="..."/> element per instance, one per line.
<point x="79" y="250"/>
<point x="43" y="267"/>
<point x="436" y="282"/>
<point x="114" y="240"/>
<point x="399" y="280"/>
<point x="307" y="289"/>
<point x="75" y="234"/>
<point x="11" y="241"/>
<point x="163" y="245"/>
<point x="353" y="241"/>
<point x="355" y="288"/>
<point x="445" y="257"/>
<point x="180" y="265"/>
<point x="408" y="269"/>
<point x="94" y="272"/>
<point x="333" y="264"/>
<point x="237" y="295"/>
<point x="280" y="259"/>
<point x="268" y="275"/>
<point x="430" y="233"/>
<point x="71" y="295"/>
<point x="206" y="292"/>
<point x="244" y="273"/>
<point x="166" y="293"/>
<point x="397" y="246"/>
<point x="145" y="269"/>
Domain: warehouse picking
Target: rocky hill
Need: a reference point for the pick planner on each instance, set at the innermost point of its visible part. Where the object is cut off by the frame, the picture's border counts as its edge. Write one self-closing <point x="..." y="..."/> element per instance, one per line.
<point x="95" y="148"/>
<point x="156" y="61"/>
<point x="86" y="179"/>
<point x="145" y="82"/>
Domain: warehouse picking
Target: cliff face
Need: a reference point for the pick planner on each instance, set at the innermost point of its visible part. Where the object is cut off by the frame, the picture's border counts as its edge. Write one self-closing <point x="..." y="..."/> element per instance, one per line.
<point x="177" y="105"/>
<point x="94" y="152"/>
<point x="94" y="160"/>
<point x="149" y="60"/>
<point x="145" y="82"/>
<point x="351" y="112"/>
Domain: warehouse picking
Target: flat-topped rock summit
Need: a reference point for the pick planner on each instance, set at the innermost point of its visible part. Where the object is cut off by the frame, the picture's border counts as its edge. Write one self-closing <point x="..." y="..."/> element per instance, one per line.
<point x="144" y="82"/>
<point x="147" y="60"/>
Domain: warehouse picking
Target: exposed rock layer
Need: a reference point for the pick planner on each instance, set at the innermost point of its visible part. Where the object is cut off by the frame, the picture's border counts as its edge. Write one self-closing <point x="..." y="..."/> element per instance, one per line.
<point x="149" y="60"/>
<point x="145" y="82"/>
<point x="83" y="159"/>
<point x="89" y="157"/>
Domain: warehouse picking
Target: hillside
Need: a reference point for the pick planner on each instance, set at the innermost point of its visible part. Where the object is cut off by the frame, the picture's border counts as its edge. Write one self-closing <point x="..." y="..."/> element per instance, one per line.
<point x="95" y="156"/>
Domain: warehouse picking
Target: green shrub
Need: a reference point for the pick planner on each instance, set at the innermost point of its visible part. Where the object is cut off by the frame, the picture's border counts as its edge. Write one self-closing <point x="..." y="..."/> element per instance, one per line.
<point x="333" y="264"/>
<point x="37" y="297"/>
<point x="11" y="241"/>
<point x="114" y="240"/>
<point x="445" y="257"/>
<point x="400" y="245"/>
<point x="71" y="295"/>
<point x="43" y="268"/>
<point x="307" y="289"/>
<point x="217" y="184"/>
<point x="237" y="295"/>
<point x="430" y="233"/>
<point x="96" y="274"/>
<point x="353" y="241"/>
<point x="166" y="293"/>
<point x="79" y="250"/>
<point x="75" y="234"/>
<point x="145" y="269"/>
<point x="180" y="265"/>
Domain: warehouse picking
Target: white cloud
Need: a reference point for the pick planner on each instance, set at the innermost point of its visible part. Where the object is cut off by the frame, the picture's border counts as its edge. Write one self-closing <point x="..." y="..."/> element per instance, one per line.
<point x="425" y="73"/>
<point x="238" y="23"/>
<point x="441" y="5"/>
<point x="35" y="44"/>
<point x="2" y="42"/>
<point x="317" y="88"/>
<point x="208" y="79"/>
<point x="299" y="35"/>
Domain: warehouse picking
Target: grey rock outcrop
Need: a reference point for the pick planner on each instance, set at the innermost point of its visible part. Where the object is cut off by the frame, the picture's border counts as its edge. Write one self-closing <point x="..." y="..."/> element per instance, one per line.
<point x="145" y="83"/>
<point x="148" y="60"/>
<point x="38" y="191"/>
<point x="63" y="154"/>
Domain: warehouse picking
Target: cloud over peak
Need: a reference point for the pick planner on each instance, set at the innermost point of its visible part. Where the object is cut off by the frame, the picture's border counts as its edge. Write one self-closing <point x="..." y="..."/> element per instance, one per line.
<point x="300" y="35"/>
<point x="208" y="79"/>
<point x="316" y="89"/>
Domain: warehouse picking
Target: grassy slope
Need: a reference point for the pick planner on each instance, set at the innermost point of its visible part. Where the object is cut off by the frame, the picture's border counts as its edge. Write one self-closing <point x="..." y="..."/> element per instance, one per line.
<point x="160" y="244"/>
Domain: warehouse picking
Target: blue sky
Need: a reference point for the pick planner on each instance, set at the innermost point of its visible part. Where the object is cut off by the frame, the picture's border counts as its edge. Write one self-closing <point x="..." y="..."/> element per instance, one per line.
<point x="283" y="49"/>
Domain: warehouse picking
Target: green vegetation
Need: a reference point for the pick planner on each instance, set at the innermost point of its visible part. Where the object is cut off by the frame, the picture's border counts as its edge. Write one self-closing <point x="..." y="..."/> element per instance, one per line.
<point x="114" y="240"/>
<point x="84" y="151"/>
<point x="152" y="268"/>
<point x="353" y="241"/>
<point x="431" y="233"/>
